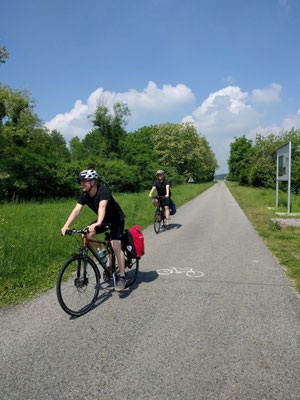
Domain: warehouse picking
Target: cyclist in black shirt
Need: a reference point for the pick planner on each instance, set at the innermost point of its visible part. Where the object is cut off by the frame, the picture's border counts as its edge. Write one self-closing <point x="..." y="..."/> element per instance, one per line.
<point x="100" y="200"/>
<point x="162" y="185"/>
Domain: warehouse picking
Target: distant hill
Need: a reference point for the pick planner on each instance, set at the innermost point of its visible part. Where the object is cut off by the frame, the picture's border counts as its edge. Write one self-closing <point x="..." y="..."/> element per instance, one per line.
<point x="221" y="177"/>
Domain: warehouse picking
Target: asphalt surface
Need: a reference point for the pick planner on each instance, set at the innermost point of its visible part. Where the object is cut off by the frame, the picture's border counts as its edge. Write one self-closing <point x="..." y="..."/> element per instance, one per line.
<point x="227" y="329"/>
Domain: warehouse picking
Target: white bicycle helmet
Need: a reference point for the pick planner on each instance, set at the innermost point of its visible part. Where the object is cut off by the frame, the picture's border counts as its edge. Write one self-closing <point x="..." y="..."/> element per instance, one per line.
<point x="87" y="174"/>
<point x="160" y="171"/>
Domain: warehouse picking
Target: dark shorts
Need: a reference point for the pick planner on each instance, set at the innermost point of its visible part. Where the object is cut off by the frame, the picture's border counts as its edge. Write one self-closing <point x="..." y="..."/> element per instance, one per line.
<point x="165" y="202"/>
<point x="116" y="228"/>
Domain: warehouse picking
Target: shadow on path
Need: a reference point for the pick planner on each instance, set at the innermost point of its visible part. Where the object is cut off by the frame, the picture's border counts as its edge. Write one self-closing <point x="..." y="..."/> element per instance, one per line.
<point x="143" y="277"/>
<point x="107" y="289"/>
<point x="169" y="227"/>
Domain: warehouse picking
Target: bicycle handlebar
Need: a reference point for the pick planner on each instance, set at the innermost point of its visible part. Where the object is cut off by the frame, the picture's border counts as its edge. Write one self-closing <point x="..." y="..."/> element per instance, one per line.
<point x="84" y="231"/>
<point x="69" y="232"/>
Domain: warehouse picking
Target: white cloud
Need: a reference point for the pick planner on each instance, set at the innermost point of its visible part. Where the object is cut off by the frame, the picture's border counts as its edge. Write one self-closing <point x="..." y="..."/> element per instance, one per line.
<point x="71" y="123"/>
<point x="225" y="112"/>
<point x="267" y="95"/>
<point x="229" y="80"/>
<point x="151" y="100"/>
<point x="189" y="118"/>
<point x="289" y="122"/>
<point x="264" y="131"/>
<point x="223" y="115"/>
<point x="230" y="112"/>
<point x="230" y="97"/>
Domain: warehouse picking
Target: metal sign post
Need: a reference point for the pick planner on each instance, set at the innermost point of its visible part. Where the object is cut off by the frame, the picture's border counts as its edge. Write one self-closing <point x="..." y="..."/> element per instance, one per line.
<point x="283" y="170"/>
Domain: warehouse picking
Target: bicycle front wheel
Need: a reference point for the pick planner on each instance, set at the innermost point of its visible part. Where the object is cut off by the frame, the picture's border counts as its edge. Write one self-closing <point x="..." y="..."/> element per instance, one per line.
<point x="77" y="285"/>
<point x="157" y="220"/>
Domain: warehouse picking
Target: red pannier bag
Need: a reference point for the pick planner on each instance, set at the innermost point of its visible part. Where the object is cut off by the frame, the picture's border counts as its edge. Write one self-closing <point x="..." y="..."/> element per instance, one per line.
<point x="133" y="242"/>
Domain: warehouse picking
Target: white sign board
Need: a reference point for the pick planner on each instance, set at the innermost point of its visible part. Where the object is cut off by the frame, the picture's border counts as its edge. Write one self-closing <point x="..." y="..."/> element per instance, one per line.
<point x="283" y="170"/>
<point x="283" y="163"/>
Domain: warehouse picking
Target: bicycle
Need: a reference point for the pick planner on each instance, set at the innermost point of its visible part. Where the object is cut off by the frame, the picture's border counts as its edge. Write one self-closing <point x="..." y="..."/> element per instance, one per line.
<point x="159" y="215"/>
<point x="78" y="282"/>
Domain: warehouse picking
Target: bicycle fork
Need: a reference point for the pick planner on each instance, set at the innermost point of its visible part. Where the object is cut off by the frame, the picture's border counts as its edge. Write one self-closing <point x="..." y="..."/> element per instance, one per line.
<point x="114" y="280"/>
<point x="81" y="276"/>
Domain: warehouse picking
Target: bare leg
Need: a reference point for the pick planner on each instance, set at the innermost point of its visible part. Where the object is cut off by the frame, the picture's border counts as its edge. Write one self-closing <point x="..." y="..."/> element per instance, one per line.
<point x="93" y="241"/>
<point x="116" y="245"/>
<point x="167" y="211"/>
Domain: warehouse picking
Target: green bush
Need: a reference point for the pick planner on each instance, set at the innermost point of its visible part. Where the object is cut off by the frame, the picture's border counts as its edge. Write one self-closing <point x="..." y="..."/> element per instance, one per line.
<point x="255" y="163"/>
<point x="120" y="177"/>
<point x="263" y="173"/>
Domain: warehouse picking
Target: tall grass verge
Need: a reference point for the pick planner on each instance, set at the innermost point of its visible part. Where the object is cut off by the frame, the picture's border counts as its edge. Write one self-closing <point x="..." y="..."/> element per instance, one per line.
<point x="32" y="250"/>
<point x="283" y="242"/>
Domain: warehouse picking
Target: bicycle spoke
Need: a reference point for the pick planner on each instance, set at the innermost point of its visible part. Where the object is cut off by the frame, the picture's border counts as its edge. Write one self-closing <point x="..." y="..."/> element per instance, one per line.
<point x="78" y="287"/>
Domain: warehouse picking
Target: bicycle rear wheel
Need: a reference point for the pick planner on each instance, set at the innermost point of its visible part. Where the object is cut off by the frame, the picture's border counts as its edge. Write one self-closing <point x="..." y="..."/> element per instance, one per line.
<point x="78" y="285"/>
<point x="157" y="220"/>
<point x="131" y="269"/>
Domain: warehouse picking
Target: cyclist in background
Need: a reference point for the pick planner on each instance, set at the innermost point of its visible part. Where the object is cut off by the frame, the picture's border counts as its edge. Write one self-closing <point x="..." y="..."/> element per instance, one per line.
<point x="99" y="199"/>
<point x="162" y="185"/>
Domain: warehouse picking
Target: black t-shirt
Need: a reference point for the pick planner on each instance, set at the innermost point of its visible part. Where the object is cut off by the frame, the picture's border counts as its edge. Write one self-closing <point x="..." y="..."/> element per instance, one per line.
<point x="161" y="187"/>
<point x="113" y="210"/>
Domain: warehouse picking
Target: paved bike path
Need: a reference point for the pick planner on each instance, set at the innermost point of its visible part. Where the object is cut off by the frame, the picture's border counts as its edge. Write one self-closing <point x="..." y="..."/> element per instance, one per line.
<point x="231" y="334"/>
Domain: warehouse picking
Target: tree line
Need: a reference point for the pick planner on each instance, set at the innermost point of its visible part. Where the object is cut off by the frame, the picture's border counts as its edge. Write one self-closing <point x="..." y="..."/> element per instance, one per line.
<point x="36" y="163"/>
<point x="254" y="162"/>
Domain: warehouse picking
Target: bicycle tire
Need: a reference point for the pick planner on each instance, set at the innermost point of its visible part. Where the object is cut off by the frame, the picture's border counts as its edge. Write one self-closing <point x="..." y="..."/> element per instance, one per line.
<point x="77" y="294"/>
<point x="132" y="270"/>
<point x="163" y="218"/>
<point x="157" y="221"/>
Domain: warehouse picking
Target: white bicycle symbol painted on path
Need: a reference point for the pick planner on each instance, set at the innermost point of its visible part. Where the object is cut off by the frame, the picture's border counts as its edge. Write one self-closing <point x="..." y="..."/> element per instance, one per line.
<point x="187" y="271"/>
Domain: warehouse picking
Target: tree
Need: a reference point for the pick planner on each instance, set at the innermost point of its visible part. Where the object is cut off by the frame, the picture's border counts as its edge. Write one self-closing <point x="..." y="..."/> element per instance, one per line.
<point x="120" y="177"/>
<point x="60" y="146"/>
<point x="3" y="55"/>
<point x="30" y="156"/>
<point x="255" y="163"/>
<point x="262" y="171"/>
<point x="294" y="136"/>
<point x="239" y="160"/>
<point x="77" y="149"/>
<point x="180" y="147"/>
<point x="210" y="162"/>
<point x="138" y="149"/>
<point x="105" y="140"/>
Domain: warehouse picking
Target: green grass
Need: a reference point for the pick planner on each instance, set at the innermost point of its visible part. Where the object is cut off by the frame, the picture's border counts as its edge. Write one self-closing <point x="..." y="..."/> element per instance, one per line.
<point x="283" y="242"/>
<point x="32" y="249"/>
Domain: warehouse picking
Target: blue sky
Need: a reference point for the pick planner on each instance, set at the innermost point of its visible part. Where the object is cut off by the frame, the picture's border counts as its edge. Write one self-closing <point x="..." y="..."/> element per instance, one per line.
<point x="232" y="67"/>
